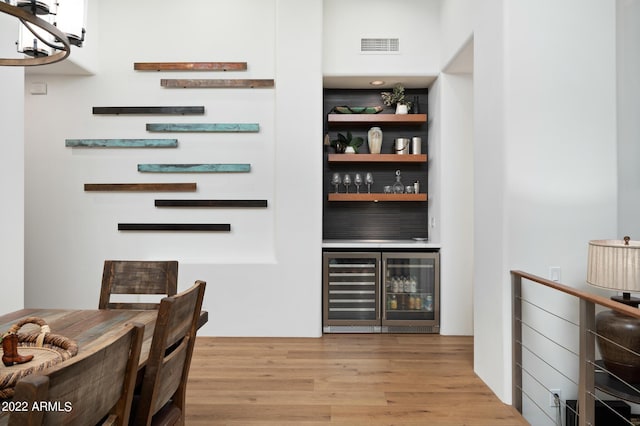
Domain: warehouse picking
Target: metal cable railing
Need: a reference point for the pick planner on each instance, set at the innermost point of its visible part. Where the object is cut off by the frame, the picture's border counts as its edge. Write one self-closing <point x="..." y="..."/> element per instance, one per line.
<point x="534" y="349"/>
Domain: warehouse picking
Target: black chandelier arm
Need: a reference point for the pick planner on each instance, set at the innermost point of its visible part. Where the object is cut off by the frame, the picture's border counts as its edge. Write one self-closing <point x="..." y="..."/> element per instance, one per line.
<point x="63" y="51"/>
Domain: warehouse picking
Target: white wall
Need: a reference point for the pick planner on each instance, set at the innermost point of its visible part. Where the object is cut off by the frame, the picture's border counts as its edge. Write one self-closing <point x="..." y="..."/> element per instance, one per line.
<point x="456" y="200"/>
<point x="415" y="22"/>
<point x="11" y="173"/>
<point x="544" y="159"/>
<point x="557" y="171"/>
<point x="628" y="61"/>
<point x="264" y="277"/>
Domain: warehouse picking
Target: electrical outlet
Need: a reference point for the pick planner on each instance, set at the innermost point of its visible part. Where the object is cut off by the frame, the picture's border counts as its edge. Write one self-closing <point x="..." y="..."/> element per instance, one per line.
<point x="552" y="399"/>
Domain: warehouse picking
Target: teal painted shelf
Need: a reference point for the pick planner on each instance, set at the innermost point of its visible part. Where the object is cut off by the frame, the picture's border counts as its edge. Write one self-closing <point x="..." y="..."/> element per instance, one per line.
<point x="194" y="168"/>
<point x="121" y="143"/>
<point x="203" y="127"/>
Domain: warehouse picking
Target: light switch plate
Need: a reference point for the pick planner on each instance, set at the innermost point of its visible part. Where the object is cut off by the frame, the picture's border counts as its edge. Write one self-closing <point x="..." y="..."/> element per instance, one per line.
<point x="38" y="88"/>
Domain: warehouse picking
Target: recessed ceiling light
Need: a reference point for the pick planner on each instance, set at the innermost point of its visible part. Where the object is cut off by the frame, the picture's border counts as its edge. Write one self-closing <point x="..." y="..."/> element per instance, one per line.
<point x="376" y="83"/>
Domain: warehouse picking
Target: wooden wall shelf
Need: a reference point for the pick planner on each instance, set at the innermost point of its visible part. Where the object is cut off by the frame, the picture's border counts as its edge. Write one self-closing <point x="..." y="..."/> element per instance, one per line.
<point x="190" y="66"/>
<point x="377" y="158"/>
<point x="204" y="127"/>
<point x="216" y="227"/>
<point x="400" y="119"/>
<point x="377" y="197"/>
<point x="215" y="83"/>
<point x="155" y="187"/>
<point x="211" y="203"/>
<point x="161" y="110"/>
<point x="194" y="168"/>
<point x="121" y="143"/>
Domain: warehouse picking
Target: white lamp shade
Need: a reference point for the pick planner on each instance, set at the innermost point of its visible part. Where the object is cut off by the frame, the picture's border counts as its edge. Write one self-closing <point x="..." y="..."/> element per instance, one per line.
<point x="614" y="265"/>
<point x="71" y="18"/>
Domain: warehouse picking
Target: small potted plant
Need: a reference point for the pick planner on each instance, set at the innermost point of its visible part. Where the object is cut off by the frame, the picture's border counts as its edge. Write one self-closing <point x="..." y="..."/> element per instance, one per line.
<point x="396" y="98"/>
<point x="347" y="144"/>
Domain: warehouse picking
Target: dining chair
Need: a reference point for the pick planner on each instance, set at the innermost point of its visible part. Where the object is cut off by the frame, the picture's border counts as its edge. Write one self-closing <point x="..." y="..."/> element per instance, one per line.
<point x="133" y="277"/>
<point x="162" y="394"/>
<point x="92" y="388"/>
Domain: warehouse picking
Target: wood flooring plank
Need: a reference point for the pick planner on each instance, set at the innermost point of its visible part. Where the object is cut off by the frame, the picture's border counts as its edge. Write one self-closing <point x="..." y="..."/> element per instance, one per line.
<point x="341" y="380"/>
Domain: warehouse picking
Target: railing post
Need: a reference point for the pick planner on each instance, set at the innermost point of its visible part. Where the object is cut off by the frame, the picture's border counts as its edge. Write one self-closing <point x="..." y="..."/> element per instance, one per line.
<point x="586" y="381"/>
<point x="516" y="341"/>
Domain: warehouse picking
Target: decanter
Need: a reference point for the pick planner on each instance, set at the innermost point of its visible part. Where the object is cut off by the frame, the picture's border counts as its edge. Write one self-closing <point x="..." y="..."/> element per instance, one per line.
<point x="398" y="187"/>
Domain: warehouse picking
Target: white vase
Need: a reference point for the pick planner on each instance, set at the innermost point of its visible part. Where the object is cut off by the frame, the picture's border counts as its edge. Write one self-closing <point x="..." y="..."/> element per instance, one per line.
<point x="374" y="138"/>
<point x="402" y="109"/>
<point x="350" y="150"/>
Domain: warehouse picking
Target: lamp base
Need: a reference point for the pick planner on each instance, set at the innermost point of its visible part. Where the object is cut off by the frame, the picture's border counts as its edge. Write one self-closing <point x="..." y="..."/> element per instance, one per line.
<point x="624" y="331"/>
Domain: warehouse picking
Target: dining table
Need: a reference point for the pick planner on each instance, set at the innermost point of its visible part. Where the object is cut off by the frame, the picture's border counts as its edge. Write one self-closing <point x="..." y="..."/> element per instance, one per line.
<point x="90" y="329"/>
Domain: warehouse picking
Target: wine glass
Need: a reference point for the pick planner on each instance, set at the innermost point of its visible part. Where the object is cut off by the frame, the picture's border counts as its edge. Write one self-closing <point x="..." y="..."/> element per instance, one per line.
<point x="368" y="178"/>
<point x="347" y="182"/>
<point x="358" y="181"/>
<point x="336" y="181"/>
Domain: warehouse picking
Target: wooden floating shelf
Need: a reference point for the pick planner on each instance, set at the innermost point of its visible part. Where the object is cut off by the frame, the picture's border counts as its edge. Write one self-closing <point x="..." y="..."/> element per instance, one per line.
<point x="216" y="83"/>
<point x="163" y="110"/>
<point x="204" y="127"/>
<point x="190" y="66"/>
<point x="376" y="118"/>
<point x="377" y="197"/>
<point x="121" y="143"/>
<point x="211" y="203"/>
<point x="216" y="227"/>
<point x="377" y="158"/>
<point x="194" y="168"/>
<point x="157" y="187"/>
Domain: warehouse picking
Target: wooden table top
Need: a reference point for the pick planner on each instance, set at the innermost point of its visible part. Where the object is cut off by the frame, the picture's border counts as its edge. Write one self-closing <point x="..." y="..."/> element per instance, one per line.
<point x="90" y="328"/>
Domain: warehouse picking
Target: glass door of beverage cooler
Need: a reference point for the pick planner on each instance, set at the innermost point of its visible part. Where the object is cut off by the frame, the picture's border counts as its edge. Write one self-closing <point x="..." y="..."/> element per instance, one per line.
<point x="350" y="293"/>
<point x="411" y="288"/>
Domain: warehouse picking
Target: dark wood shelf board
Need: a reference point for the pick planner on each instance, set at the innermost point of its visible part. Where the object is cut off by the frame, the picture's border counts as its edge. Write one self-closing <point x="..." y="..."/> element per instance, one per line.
<point x="216" y="83"/>
<point x="210" y="227"/>
<point x="377" y="158"/>
<point x="609" y="384"/>
<point x="211" y="203"/>
<point x="377" y="197"/>
<point x="190" y="66"/>
<point x="151" y="187"/>
<point x="400" y="119"/>
<point x="161" y="110"/>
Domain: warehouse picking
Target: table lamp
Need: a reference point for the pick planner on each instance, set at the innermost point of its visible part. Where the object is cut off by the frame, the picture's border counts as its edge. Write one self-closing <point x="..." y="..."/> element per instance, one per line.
<point x="615" y="265"/>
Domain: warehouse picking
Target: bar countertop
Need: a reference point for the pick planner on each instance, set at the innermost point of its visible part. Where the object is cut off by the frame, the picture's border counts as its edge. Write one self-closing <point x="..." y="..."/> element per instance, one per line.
<point x="382" y="244"/>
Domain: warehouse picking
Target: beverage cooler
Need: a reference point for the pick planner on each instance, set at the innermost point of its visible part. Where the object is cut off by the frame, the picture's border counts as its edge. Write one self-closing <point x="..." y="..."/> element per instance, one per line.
<point x="388" y="292"/>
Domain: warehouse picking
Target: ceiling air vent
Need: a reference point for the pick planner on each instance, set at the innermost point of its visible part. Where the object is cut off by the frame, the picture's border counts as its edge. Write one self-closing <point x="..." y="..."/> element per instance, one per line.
<point x="379" y="45"/>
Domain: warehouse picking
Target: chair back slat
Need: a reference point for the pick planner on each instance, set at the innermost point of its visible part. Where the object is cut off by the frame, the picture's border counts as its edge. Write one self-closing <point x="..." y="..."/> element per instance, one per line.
<point x="137" y="278"/>
<point x="87" y="388"/>
<point x="170" y="354"/>
<point x="171" y="375"/>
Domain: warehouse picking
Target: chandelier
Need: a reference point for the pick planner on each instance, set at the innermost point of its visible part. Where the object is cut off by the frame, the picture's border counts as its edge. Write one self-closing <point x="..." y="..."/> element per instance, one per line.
<point x="47" y="29"/>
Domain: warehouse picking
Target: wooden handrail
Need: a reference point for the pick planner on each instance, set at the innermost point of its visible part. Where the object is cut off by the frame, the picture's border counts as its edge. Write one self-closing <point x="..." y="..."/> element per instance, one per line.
<point x="593" y="298"/>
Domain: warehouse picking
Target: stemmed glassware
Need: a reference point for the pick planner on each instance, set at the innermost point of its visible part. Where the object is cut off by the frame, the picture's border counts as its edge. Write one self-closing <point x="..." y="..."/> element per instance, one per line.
<point x="336" y="181"/>
<point x="358" y="181"/>
<point x="347" y="182"/>
<point x="368" y="178"/>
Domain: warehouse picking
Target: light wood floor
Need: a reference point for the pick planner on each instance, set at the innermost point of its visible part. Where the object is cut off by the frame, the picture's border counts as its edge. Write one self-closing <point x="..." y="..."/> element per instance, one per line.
<point x="346" y="379"/>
